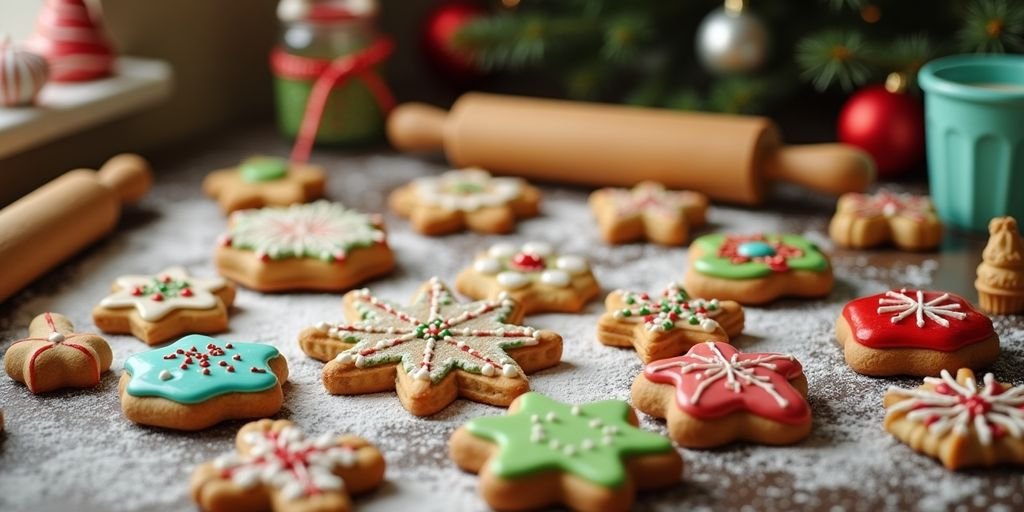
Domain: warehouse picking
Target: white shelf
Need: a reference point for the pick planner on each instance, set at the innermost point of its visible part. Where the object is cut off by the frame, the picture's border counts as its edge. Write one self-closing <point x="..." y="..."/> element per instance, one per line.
<point x="67" y="108"/>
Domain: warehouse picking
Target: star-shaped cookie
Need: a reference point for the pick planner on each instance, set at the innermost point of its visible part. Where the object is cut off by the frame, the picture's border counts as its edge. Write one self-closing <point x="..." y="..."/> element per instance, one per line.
<point x="648" y="211"/>
<point x="264" y="181"/>
<point x="54" y="356"/>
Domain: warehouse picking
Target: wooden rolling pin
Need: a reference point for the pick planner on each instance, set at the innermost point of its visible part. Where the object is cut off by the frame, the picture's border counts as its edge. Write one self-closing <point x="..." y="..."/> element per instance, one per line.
<point x="54" y="222"/>
<point x="729" y="158"/>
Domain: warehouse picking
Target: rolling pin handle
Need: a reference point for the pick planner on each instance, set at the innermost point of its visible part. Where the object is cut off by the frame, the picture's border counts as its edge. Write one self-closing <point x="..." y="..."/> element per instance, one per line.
<point x="417" y="127"/>
<point x="830" y="168"/>
<point x="127" y="174"/>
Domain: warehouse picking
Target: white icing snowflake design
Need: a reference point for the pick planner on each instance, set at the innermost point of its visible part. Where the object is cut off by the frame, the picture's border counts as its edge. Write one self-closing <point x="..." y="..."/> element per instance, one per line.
<point x="905" y="305"/>
<point x="434" y="335"/>
<point x="286" y="460"/>
<point x="154" y="296"/>
<point x="516" y="268"/>
<point x="674" y="309"/>
<point x="467" y="190"/>
<point x="321" y="230"/>
<point x="988" y="413"/>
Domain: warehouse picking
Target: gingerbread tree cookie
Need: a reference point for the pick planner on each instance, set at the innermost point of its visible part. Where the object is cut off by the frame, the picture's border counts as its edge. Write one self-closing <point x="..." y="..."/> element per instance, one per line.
<point x="1000" y="281"/>
<point x="666" y="325"/>
<point x="275" y="467"/>
<point x="156" y="308"/>
<point x="587" y="457"/>
<point x="54" y="356"/>
<point x="264" y="181"/>
<point x="715" y="395"/>
<point x="467" y="198"/>
<point x="533" y="274"/>
<point x="959" y="422"/>
<point x="869" y="220"/>
<point x="647" y="211"/>
<point x="432" y="351"/>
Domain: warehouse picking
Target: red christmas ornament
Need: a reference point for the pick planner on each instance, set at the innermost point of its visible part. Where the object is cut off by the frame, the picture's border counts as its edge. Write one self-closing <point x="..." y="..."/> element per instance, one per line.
<point x="439" y="37"/>
<point x="888" y="125"/>
<point x="72" y="41"/>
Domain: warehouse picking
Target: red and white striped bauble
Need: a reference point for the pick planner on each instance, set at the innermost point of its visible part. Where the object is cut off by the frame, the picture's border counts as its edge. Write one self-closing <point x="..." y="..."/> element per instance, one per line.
<point x="22" y="75"/>
<point x="72" y="41"/>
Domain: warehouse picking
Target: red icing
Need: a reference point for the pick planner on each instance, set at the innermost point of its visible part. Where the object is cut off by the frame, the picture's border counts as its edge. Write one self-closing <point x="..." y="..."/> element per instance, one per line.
<point x="30" y="376"/>
<point x="528" y="262"/>
<point x="876" y="330"/>
<point x="688" y="372"/>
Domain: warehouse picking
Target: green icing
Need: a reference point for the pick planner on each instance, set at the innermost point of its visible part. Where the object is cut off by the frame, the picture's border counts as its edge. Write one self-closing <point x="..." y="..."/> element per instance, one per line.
<point x="711" y="264"/>
<point x="263" y="168"/>
<point x="249" y="373"/>
<point x="545" y="435"/>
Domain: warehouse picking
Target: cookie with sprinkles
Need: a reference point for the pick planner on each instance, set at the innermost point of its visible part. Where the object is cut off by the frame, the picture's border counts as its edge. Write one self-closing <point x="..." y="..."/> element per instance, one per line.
<point x="915" y="332"/>
<point x="587" y="457"/>
<point x="959" y="421"/>
<point x="534" y="274"/>
<point x="54" y="356"/>
<point x="320" y="246"/>
<point x="465" y="198"/>
<point x="431" y="351"/>
<point x="264" y="181"/>
<point x="198" y="381"/>
<point x="868" y="220"/>
<point x="757" y="269"/>
<point x="276" y="467"/>
<point x="647" y="212"/>
<point x="715" y="395"/>
<point x="159" y="307"/>
<point x="666" y="324"/>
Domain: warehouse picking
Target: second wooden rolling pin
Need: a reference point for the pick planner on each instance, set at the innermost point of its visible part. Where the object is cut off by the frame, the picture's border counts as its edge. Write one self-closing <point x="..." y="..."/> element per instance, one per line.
<point x="730" y="158"/>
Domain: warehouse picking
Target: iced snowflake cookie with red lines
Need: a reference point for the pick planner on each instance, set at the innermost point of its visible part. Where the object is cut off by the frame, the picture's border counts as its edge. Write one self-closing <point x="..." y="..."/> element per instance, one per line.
<point x="960" y="421"/>
<point x="915" y="332"/>
<point x="156" y="308"/>
<point x="198" y="381"/>
<point x="869" y="220"/>
<point x="668" y="324"/>
<point x="715" y="395"/>
<point x="54" y="356"/>
<point x="466" y="198"/>
<point x="757" y="269"/>
<point x="532" y="274"/>
<point x="316" y="246"/>
<point x="431" y="351"/>
<point x="587" y="457"/>
<point x="276" y="467"/>
<point x="264" y="181"/>
<point x="647" y="212"/>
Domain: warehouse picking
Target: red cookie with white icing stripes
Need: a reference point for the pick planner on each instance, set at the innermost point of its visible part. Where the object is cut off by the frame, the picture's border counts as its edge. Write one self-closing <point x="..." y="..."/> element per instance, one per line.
<point x="54" y="356"/>
<point x="915" y="332"/>
<point x="715" y="395"/>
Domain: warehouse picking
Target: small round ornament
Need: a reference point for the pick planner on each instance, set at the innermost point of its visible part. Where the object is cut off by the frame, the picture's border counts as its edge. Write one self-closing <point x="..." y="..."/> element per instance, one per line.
<point x="886" y="122"/>
<point x="22" y="75"/>
<point x="439" y="38"/>
<point x="732" y="40"/>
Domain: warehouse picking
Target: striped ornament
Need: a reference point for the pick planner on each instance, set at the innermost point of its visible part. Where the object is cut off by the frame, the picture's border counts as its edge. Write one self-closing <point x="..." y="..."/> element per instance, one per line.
<point x="22" y="75"/>
<point x="72" y="41"/>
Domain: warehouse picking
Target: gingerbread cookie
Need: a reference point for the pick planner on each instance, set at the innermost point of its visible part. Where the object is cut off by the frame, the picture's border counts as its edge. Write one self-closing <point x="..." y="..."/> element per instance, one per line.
<point x="198" y="381"/>
<point x="316" y="246"/>
<point x="915" y="332"/>
<point x="757" y="269"/>
<point x="533" y="274"/>
<point x="275" y="467"/>
<point x="715" y="395"/>
<point x="264" y="181"/>
<point x="54" y="356"/>
<point x="647" y="212"/>
<point x="666" y="325"/>
<point x="466" y="198"/>
<point x="589" y="457"/>
<point x="156" y="308"/>
<point x="868" y="220"/>
<point x="958" y="422"/>
<point x="1000" y="281"/>
<point x="431" y="351"/>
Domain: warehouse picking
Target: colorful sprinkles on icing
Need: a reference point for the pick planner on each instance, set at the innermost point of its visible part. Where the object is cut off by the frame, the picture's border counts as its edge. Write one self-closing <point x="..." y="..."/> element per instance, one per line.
<point x="590" y="441"/>
<point x="155" y="296"/>
<point x="321" y="230"/>
<point x="918" y="319"/>
<point x="754" y="256"/>
<point x="947" y="407"/>
<point x="674" y="309"/>
<point x="467" y="190"/>
<point x="518" y="267"/>
<point x="197" y="368"/>
<point x="434" y="335"/>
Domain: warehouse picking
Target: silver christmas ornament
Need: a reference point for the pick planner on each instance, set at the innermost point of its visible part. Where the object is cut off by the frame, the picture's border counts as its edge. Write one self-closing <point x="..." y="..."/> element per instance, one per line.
<point x="732" y="40"/>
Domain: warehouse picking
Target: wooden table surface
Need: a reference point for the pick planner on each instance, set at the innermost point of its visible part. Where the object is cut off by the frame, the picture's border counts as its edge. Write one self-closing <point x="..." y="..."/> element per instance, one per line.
<point x="74" y="450"/>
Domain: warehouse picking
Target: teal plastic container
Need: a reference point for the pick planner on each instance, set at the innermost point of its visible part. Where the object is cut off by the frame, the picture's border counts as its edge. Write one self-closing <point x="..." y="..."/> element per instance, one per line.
<point x="974" y="124"/>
